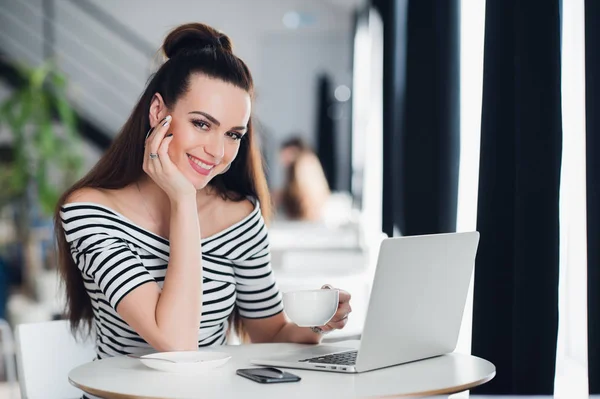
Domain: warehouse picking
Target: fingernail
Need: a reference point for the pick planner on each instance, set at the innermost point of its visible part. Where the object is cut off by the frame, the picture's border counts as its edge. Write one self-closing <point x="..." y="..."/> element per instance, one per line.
<point x="169" y="135"/>
<point x="167" y="120"/>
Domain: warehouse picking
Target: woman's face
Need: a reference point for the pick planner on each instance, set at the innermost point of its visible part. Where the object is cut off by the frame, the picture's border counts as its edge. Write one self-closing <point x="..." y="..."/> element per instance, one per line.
<point x="208" y="123"/>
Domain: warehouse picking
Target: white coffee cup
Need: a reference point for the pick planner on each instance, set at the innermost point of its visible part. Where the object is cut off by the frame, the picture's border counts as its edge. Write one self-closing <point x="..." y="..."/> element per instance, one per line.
<point x="311" y="308"/>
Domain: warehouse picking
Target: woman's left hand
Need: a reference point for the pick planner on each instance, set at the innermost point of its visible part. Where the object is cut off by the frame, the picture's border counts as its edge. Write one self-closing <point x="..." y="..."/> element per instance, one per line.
<point x="339" y="320"/>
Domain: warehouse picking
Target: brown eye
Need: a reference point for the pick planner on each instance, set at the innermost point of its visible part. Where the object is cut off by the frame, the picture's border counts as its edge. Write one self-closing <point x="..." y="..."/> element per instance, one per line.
<point x="201" y="124"/>
<point x="234" y="135"/>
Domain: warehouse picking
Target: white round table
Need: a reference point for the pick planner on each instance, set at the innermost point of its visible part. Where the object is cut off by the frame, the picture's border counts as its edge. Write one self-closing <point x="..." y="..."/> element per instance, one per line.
<point x="127" y="378"/>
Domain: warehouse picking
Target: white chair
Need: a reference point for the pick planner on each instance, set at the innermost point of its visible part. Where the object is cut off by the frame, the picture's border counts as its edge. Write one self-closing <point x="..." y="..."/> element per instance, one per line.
<point x="46" y="352"/>
<point x="7" y="349"/>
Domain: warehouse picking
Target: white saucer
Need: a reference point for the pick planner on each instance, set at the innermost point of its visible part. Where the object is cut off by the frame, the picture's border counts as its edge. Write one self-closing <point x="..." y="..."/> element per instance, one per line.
<point x="186" y="362"/>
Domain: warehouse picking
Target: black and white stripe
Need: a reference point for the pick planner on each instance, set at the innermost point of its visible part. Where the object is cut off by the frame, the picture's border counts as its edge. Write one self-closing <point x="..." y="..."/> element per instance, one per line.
<point x="115" y="256"/>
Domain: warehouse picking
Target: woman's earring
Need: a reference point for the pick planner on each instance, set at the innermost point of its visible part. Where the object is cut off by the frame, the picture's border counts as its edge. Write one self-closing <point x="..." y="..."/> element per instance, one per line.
<point x="225" y="170"/>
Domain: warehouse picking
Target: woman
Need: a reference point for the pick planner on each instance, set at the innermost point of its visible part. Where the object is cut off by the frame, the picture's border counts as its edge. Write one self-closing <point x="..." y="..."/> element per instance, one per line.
<point x="306" y="192"/>
<point x="181" y="185"/>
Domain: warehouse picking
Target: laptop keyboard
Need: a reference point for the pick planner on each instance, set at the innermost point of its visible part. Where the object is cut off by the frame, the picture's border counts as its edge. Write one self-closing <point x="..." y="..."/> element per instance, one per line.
<point x="343" y="358"/>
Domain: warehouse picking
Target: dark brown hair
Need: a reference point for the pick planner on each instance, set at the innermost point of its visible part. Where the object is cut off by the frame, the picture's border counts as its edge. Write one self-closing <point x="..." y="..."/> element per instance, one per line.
<point x="306" y="190"/>
<point x="190" y="49"/>
<point x="296" y="143"/>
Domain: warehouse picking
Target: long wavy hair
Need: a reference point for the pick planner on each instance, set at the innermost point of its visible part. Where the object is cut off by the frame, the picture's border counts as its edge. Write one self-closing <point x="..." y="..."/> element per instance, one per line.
<point x="190" y="49"/>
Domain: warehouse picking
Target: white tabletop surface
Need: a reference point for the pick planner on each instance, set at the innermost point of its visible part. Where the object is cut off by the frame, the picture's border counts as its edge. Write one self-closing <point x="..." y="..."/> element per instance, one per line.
<point x="123" y="377"/>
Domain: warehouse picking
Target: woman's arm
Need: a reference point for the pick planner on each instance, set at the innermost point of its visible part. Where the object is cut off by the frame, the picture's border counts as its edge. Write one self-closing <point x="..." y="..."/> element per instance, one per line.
<point x="169" y="320"/>
<point x="278" y="329"/>
<point x="178" y="308"/>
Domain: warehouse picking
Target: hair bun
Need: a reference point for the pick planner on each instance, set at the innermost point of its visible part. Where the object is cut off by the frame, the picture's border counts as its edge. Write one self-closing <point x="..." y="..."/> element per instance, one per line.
<point x="194" y="37"/>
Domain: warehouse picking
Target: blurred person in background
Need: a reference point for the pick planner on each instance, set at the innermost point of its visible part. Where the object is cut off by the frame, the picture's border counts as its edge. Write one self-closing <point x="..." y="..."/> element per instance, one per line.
<point x="305" y="193"/>
<point x="164" y="244"/>
<point x="290" y="149"/>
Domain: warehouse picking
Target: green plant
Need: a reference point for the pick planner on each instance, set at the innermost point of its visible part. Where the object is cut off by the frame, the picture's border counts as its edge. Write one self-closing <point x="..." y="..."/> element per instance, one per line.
<point x="45" y="144"/>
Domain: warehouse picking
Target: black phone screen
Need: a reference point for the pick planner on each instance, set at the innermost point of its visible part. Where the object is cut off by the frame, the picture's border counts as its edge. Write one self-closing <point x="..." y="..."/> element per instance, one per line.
<point x="268" y="375"/>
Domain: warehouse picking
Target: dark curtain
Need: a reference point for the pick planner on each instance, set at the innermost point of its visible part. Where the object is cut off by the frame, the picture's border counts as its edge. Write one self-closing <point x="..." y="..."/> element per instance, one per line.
<point x="421" y="115"/>
<point x="592" y="91"/>
<point x="430" y="144"/>
<point x="393" y="14"/>
<point x="515" y="318"/>
<point x="326" y="143"/>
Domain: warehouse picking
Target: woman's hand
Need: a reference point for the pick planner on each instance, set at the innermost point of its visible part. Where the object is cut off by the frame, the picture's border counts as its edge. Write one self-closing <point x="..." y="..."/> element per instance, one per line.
<point x="159" y="166"/>
<point x="339" y="320"/>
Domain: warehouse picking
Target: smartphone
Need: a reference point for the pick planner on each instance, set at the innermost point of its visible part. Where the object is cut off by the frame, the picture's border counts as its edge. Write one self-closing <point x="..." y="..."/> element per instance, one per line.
<point x="267" y="375"/>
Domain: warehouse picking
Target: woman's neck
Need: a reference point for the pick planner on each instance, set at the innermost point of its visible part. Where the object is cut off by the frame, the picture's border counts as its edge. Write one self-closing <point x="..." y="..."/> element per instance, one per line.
<point x="158" y="203"/>
<point x="205" y="197"/>
<point x="154" y="197"/>
<point x="154" y="203"/>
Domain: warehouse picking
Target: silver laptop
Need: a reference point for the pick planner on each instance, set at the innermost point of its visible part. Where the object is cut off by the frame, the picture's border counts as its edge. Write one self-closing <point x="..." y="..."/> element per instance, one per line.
<point x="415" y="309"/>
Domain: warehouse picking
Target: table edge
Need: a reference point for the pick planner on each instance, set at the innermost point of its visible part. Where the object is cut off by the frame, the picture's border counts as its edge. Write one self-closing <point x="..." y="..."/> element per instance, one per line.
<point x="443" y="391"/>
<point x="101" y="393"/>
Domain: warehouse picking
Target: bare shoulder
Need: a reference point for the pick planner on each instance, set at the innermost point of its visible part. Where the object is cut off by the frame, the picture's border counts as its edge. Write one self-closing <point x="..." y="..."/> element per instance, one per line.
<point x="224" y="214"/>
<point x="88" y="194"/>
<point x="237" y="210"/>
